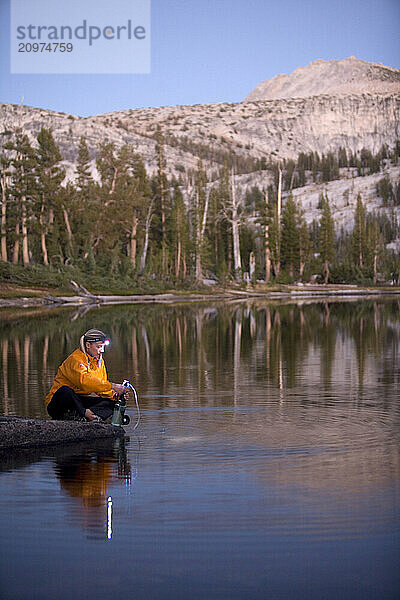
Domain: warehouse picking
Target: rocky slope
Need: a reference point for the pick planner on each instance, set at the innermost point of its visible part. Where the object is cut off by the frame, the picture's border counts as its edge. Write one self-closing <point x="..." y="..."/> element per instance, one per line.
<point x="318" y="108"/>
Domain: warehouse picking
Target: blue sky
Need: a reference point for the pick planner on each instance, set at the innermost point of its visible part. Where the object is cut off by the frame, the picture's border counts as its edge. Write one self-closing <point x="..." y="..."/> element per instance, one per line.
<point x="206" y="51"/>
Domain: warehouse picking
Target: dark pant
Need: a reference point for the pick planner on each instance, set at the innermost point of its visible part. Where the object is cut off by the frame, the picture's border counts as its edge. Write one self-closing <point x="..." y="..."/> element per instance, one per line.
<point x="65" y="403"/>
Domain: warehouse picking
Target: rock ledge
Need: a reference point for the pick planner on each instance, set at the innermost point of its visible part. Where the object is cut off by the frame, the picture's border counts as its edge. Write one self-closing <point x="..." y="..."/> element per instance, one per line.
<point x="23" y="432"/>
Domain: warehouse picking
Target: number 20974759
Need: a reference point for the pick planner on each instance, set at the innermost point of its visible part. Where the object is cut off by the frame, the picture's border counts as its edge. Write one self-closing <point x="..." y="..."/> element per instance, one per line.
<point x="45" y="47"/>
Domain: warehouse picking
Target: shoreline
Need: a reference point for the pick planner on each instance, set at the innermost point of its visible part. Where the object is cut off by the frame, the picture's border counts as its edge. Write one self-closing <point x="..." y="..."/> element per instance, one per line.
<point x="285" y="292"/>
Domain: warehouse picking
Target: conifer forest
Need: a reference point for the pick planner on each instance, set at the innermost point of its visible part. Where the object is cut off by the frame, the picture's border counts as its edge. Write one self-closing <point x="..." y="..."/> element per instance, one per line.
<point x="126" y="228"/>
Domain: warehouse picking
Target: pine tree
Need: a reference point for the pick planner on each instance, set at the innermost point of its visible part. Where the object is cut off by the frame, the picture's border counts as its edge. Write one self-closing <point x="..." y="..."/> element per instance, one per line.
<point x="384" y="189"/>
<point x="267" y="243"/>
<point x="23" y="191"/>
<point x="326" y="238"/>
<point x="5" y="192"/>
<point x="104" y="207"/>
<point x="179" y="234"/>
<point x="225" y="226"/>
<point x="261" y="207"/>
<point x="50" y="175"/>
<point x="124" y="197"/>
<point x="274" y="230"/>
<point x="290" y="236"/>
<point x="342" y="157"/>
<point x="134" y="201"/>
<point x="232" y="208"/>
<point x="162" y="197"/>
<point x="359" y="236"/>
<point x="84" y="203"/>
<point x="375" y="245"/>
<point x="84" y="177"/>
<point x="305" y="243"/>
<point x="201" y="200"/>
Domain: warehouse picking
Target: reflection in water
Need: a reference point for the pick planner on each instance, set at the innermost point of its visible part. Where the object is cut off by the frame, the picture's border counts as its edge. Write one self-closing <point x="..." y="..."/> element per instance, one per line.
<point x="4" y="353"/>
<point x="86" y="477"/>
<point x="206" y="348"/>
<point x="303" y="357"/>
<point x="85" y="472"/>
<point x="270" y="463"/>
<point x="109" y="518"/>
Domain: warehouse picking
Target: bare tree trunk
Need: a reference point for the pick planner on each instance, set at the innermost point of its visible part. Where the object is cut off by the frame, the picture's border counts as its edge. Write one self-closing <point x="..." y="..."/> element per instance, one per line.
<point x="133" y="242"/>
<point x="229" y="256"/>
<point x="236" y="248"/>
<point x="4" y="218"/>
<point x="205" y="214"/>
<point x="160" y="159"/>
<point x="235" y="230"/>
<point x="277" y="265"/>
<point x="43" y="236"/>
<point x="143" y="257"/>
<point x="44" y="248"/>
<point x="200" y="231"/>
<point x="375" y="268"/>
<point x="178" y="257"/>
<point x="184" y="265"/>
<point x="326" y="271"/>
<point x="15" y="253"/>
<point x="279" y="199"/>
<point x="68" y="228"/>
<point x="198" y="240"/>
<point x="266" y="244"/>
<point x="24" y="231"/>
<point x="252" y="267"/>
<point x="267" y="255"/>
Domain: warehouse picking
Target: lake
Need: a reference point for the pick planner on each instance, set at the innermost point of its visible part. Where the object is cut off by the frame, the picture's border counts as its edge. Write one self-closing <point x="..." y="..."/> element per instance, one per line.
<point x="266" y="464"/>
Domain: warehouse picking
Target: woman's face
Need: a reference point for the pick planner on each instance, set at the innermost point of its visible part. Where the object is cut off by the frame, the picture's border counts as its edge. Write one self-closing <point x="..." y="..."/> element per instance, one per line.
<point x="95" y="349"/>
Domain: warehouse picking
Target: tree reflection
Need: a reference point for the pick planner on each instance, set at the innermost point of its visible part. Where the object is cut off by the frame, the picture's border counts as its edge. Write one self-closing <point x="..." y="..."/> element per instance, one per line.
<point x="4" y="353"/>
<point x="193" y="351"/>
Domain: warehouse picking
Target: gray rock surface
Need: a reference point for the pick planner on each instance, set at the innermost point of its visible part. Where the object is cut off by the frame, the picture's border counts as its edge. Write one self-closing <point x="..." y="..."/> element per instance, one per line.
<point x="347" y="76"/>
<point x="23" y="432"/>
<point x="322" y="107"/>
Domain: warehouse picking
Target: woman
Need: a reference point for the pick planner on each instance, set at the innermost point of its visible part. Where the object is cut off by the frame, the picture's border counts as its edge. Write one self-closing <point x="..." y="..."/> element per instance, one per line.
<point x="81" y="389"/>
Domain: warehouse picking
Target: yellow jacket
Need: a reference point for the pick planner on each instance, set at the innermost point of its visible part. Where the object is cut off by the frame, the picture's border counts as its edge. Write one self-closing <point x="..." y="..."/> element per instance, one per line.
<point x="84" y="374"/>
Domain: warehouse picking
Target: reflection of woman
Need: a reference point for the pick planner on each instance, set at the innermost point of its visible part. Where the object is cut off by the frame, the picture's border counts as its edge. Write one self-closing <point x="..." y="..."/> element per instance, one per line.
<point x="81" y="374"/>
<point x="82" y="478"/>
<point x="85" y="475"/>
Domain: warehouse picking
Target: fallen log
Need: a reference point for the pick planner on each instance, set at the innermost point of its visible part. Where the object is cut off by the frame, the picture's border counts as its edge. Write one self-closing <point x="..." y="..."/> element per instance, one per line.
<point x="82" y="291"/>
<point x="70" y="299"/>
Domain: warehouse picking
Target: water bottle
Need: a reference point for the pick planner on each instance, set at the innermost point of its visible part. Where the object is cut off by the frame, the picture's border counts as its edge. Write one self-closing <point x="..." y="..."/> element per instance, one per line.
<point x="119" y="417"/>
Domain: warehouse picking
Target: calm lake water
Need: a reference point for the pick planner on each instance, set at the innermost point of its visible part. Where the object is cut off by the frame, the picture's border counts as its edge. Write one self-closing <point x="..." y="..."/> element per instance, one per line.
<point x="266" y="464"/>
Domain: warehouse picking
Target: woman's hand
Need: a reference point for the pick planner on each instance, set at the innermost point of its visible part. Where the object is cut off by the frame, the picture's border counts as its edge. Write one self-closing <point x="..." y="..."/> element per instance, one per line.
<point x="120" y="389"/>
